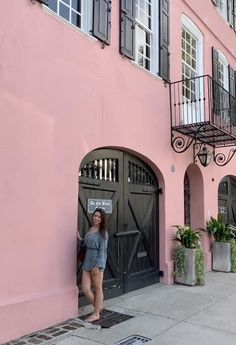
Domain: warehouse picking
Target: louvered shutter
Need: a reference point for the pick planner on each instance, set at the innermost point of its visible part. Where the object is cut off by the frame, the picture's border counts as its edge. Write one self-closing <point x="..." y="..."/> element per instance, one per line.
<point x="127" y="28"/>
<point x="235" y="15"/>
<point x="215" y="64"/>
<point x="230" y="12"/>
<point x="232" y="91"/>
<point x="215" y="87"/>
<point x="164" y="40"/>
<point x="45" y="2"/>
<point x="102" y="20"/>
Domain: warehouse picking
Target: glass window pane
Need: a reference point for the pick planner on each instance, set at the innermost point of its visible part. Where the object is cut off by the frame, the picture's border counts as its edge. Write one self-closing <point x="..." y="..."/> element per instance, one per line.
<point x="52" y="4"/>
<point x="67" y="2"/>
<point x="64" y="11"/>
<point x="76" y="5"/>
<point x="76" y="19"/>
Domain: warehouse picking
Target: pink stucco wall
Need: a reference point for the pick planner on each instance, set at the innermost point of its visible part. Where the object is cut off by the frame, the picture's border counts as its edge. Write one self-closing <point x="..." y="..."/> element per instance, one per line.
<point x="61" y="96"/>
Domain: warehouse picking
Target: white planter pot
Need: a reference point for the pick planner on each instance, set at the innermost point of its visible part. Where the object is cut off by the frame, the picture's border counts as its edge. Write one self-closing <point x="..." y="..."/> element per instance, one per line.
<point x="189" y="277"/>
<point x="221" y="257"/>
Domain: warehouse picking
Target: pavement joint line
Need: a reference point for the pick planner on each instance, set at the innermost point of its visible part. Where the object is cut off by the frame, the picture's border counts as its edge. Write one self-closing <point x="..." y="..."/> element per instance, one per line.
<point x="79" y="337"/>
<point x="210" y="327"/>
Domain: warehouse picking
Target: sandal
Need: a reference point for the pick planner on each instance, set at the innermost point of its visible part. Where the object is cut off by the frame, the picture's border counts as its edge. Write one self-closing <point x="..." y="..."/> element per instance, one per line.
<point x="92" y="318"/>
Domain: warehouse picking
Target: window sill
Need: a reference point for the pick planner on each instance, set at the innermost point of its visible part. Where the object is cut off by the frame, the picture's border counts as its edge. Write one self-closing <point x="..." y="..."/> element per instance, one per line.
<point x="68" y="24"/>
<point x="152" y="74"/>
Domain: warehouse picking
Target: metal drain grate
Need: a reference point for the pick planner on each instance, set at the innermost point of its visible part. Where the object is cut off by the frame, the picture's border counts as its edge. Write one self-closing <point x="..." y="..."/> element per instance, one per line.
<point x="133" y="340"/>
<point x="48" y="334"/>
<point x="109" y="318"/>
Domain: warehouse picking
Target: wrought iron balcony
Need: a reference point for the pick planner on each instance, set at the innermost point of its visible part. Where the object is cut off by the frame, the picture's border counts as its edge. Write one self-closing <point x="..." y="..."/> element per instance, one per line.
<point x="203" y="113"/>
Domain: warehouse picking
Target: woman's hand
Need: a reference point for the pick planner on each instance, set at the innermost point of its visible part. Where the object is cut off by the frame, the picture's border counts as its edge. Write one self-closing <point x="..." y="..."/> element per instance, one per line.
<point x="78" y="235"/>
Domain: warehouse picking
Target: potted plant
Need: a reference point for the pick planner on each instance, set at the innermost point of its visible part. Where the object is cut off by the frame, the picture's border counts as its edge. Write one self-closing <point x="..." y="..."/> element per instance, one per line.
<point x="224" y="245"/>
<point x="189" y="257"/>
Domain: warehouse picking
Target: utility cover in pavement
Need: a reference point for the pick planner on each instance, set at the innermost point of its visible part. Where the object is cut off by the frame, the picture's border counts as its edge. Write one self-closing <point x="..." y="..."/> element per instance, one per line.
<point x="133" y="340"/>
<point x="108" y="318"/>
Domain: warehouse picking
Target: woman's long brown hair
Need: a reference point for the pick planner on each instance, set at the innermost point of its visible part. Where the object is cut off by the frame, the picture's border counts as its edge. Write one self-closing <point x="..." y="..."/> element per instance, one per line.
<point x="102" y="228"/>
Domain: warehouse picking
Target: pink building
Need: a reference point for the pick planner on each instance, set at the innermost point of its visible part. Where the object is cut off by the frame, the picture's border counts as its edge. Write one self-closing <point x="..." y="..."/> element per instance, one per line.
<point x="98" y="109"/>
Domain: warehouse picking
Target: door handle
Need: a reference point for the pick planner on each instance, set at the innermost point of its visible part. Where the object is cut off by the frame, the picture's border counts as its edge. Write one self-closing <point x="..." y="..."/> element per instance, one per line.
<point x="126" y="233"/>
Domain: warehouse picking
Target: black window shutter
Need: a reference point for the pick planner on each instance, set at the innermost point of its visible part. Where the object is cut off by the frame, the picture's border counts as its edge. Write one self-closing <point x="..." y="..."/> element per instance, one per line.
<point x="164" y="55"/>
<point x="45" y="2"/>
<point x="215" y="87"/>
<point x="102" y="20"/>
<point x="234" y="15"/>
<point x="231" y="81"/>
<point x="127" y="28"/>
<point x="215" y="64"/>
<point x="230" y="12"/>
<point x="232" y="91"/>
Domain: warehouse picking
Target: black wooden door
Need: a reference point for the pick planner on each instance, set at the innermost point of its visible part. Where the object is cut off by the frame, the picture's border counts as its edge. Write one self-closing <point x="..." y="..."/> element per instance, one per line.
<point x="227" y="200"/>
<point x="140" y="248"/>
<point x="133" y="259"/>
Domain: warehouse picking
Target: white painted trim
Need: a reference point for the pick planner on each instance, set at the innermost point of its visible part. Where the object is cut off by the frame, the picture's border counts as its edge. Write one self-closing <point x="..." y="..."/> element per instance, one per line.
<point x="152" y="74"/>
<point x="68" y="24"/>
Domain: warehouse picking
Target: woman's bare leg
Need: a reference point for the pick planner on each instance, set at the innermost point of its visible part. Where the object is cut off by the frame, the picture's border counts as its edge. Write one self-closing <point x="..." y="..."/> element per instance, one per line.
<point x="86" y="287"/>
<point x="97" y="279"/>
<point x="97" y="283"/>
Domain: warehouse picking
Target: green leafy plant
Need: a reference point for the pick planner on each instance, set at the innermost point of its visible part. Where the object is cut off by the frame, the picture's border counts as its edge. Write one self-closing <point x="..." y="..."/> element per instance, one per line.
<point x="189" y="238"/>
<point x="219" y="230"/>
<point x="224" y="233"/>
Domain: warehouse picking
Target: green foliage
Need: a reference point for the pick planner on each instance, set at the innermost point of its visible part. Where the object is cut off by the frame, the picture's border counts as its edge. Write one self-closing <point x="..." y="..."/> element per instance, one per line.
<point x="219" y="230"/>
<point x="188" y="237"/>
<point x="233" y="255"/>
<point x="200" y="267"/>
<point x="179" y="258"/>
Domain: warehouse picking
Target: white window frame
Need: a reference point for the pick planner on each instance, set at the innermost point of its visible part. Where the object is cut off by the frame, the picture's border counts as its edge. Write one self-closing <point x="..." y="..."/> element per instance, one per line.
<point x="86" y="14"/>
<point x="194" y="30"/>
<point x="222" y="9"/>
<point x="196" y="114"/>
<point x="223" y="60"/>
<point x="154" y="39"/>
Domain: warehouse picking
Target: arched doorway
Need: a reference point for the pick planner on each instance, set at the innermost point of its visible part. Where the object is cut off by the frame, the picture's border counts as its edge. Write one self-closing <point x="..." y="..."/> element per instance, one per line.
<point x="227" y="199"/>
<point x="187" y="217"/>
<point x="127" y="185"/>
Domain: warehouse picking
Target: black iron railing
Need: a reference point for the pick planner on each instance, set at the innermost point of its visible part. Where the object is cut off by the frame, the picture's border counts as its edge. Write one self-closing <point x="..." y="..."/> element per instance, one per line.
<point x="202" y="101"/>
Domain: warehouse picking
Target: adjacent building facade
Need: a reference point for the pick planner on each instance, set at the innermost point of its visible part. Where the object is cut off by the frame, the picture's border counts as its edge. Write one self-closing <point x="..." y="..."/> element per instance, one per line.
<point x="109" y="103"/>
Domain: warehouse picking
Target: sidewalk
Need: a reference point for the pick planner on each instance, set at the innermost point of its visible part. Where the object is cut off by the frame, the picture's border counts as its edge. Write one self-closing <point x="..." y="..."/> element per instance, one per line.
<point x="169" y="314"/>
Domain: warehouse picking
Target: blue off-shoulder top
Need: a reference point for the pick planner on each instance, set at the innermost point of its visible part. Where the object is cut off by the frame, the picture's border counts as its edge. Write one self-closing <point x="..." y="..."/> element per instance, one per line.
<point x="96" y="251"/>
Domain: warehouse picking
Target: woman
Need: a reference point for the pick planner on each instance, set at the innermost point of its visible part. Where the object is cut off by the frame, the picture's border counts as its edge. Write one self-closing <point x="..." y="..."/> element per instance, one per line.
<point x="94" y="263"/>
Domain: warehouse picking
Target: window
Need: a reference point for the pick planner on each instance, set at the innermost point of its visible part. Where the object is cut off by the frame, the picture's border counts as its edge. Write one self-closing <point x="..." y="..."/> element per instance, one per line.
<point x="189" y="63"/>
<point x="223" y="90"/>
<point x="227" y="9"/>
<point x="146" y="33"/>
<point x="77" y="12"/>
<point x="223" y="72"/>
<point x="144" y="36"/>
<point x="92" y="17"/>
<point x="192" y="67"/>
<point x="222" y="6"/>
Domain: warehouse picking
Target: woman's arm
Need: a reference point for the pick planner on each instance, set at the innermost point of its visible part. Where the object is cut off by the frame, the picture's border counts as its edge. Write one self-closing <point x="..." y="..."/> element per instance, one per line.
<point x="102" y="252"/>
